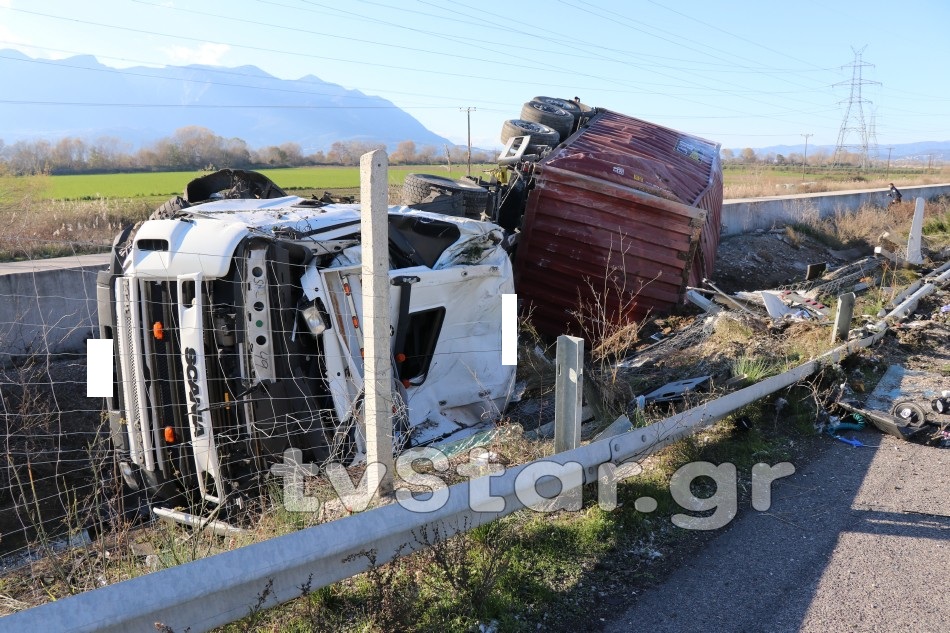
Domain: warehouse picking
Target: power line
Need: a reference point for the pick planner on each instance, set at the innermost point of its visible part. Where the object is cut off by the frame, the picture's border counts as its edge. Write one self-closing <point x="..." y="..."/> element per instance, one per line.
<point x="519" y="81"/>
<point x="127" y="72"/>
<point x="739" y="37"/>
<point x="220" y="106"/>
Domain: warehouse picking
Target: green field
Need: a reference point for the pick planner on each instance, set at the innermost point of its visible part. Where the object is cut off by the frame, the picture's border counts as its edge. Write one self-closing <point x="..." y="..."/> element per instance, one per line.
<point x="159" y="184"/>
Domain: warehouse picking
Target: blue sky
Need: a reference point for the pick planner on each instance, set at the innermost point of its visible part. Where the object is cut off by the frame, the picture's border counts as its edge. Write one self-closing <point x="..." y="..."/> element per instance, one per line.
<point x="740" y="72"/>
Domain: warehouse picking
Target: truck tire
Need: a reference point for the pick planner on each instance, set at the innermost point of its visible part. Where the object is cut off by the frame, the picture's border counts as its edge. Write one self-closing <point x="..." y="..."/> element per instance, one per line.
<point x="564" y="104"/>
<point x="552" y="116"/>
<point x="168" y="210"/>
<point x="418" y="189"/>
<point x="541" y="134"/>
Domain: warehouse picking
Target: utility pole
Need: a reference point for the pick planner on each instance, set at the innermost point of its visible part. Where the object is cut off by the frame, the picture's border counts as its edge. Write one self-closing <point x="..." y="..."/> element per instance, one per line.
<point x="468" y="114"/>
<point x="805" y="155"/>
<point x="887" y="170"/>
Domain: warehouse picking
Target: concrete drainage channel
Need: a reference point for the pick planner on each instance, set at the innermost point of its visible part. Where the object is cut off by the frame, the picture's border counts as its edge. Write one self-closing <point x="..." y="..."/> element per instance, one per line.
<point x="182" y="597"/>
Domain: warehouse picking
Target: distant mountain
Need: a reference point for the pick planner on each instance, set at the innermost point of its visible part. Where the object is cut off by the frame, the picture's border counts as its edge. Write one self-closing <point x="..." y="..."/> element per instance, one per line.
<point x="142" y="104"/>
<point x="919" y="152"/>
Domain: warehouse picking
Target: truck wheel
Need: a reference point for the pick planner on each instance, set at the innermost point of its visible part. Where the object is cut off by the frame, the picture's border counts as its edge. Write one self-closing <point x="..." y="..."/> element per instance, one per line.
<point x="564" y="104"/>
<point x="554" y="117"/>
<point x="168" y="210"/>
<point x="540" y="134"/>
<point x="418" y="188"/>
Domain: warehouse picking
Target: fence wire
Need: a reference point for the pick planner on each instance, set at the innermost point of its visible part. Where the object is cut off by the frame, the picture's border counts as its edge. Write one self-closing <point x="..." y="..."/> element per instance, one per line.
<point x="66" y="518"/>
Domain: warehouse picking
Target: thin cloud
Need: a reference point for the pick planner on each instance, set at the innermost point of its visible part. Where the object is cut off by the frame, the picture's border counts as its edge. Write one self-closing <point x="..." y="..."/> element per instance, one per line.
<point x="207" y="54"/>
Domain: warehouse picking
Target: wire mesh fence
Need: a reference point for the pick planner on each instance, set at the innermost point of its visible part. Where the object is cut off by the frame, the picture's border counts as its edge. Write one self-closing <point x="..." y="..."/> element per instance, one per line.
<point x="78" y="474"/>
<point x="54" y="479"/>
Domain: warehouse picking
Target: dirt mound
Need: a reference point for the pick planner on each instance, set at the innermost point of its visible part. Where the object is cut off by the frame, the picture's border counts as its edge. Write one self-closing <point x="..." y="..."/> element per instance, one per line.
<point x="771" y="259"/>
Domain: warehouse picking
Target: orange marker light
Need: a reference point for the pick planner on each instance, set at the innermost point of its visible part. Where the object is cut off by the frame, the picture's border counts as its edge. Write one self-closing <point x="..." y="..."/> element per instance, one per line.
<point x="158" y="330"/>
<point x="400" y="358"/>
<point x="170" y="434"/>
<point x="356" y="322"/>
<point x="346" y="289"/>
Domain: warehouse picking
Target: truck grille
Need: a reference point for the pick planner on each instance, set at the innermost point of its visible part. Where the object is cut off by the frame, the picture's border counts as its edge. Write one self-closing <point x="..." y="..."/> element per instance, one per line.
<point x="154" y="387"/>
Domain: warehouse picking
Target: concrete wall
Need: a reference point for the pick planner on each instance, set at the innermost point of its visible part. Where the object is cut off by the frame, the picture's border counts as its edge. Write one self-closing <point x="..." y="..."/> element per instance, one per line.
<point x="48" y="306"/>
<point x="748" y="214"/>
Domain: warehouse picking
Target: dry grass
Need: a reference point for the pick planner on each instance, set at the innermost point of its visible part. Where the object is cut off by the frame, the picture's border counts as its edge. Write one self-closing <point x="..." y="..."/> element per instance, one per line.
<point x="867" y="224"/>
<point x="759" y="182"/>
<point x="32" y="227"/>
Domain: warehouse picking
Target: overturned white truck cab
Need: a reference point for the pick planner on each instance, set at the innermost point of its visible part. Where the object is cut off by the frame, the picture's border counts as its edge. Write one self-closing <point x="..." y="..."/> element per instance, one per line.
<point x="237" y="335"/>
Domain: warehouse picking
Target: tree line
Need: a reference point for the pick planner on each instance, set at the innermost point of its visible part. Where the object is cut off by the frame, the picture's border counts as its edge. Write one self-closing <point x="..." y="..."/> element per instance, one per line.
<point x="816" y="157"/>
<point x="196" y="148"/>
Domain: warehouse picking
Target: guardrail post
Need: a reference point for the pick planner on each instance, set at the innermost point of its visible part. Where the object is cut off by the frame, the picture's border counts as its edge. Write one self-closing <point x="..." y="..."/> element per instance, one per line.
<point x="377" y="363"/>
<point x="568" y="391"/>
<point x="843" y="317"/>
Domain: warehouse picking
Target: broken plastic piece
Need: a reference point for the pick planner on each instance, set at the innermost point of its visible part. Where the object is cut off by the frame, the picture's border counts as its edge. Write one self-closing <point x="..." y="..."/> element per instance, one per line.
<point x="848" y="440"/>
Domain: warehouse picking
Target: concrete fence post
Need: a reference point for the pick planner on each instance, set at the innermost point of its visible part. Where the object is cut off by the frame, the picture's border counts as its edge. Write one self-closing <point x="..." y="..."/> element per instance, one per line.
<point x="843" y="317"/>
<point x="914" y="255"/>
<point x="377" y="363"/>
<point x="568" y="392"/>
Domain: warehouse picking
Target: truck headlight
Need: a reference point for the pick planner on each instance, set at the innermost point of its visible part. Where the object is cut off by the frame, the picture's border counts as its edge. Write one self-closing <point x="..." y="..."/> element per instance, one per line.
<point x="313" y="314"/>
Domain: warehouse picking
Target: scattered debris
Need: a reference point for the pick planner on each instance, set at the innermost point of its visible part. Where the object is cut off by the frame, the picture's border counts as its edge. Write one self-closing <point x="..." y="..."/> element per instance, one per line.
<point x="774" y="305"/>
<point x="815" y="271"/>
<point x="796" y="298"/>
<point x="617" y="427"/>
<point x="708" y="306"/>
<point x="729" y="300"/>
<point x="676" y="390"/>
<point x="886" y="254"/>
<point x="900" y="393"/>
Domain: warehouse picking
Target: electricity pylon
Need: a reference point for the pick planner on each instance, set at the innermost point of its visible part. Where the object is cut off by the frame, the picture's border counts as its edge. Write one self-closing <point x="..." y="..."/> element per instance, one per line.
<point x="854" y="114"/>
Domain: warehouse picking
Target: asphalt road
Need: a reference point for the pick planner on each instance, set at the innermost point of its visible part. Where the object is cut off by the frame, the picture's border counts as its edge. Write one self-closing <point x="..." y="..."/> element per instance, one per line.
<point x="858" y="539"/>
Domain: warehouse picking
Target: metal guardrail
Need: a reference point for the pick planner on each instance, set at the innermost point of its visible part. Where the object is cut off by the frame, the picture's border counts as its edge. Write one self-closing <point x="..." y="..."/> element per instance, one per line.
<point x="206" y="593"/>
<point x="210" y="592"/>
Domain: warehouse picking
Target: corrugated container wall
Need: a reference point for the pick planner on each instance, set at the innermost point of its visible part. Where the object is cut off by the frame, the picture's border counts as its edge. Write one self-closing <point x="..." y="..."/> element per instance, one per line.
<point x="623" y="216"/>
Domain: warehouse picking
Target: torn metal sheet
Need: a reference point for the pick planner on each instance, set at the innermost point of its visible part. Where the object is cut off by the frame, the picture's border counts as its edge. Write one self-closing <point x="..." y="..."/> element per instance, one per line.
<point x="730" y="300"/>
<point x="676" y="390"/>
<point x="618" y="426"/>
<point x="701" y="301"/>
<point x="774" y="305"/>
<point x="810" y="304"/>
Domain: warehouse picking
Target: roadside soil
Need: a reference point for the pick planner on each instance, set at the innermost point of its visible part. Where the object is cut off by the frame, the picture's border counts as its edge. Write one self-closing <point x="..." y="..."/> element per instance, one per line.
<point x="770" y="259"/>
